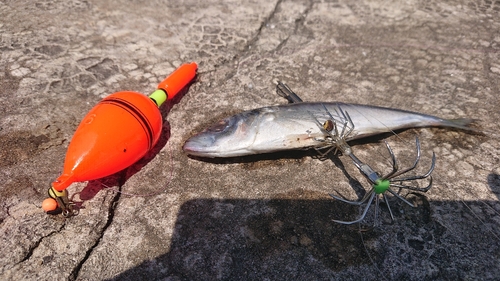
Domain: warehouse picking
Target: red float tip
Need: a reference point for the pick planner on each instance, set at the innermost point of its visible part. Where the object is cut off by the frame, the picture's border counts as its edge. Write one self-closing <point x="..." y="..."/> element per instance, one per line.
<point x="176" y="81"/>
<point x="63" y="182"/>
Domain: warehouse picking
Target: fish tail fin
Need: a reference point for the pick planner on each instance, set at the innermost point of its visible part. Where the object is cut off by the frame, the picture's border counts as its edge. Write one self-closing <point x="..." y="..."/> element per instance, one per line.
<point x="462" y="124"/>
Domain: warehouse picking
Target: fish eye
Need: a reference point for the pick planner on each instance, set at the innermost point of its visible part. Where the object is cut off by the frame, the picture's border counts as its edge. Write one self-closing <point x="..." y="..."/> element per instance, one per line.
<point x="220" y="126"/>
<point x="328" y="125"/>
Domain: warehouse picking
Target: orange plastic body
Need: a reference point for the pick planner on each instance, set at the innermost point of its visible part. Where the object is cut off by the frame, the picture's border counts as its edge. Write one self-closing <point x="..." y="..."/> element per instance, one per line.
<point x="174" y="83"/>
<point x="116" y="133"/>
<point x="119" y="130"/>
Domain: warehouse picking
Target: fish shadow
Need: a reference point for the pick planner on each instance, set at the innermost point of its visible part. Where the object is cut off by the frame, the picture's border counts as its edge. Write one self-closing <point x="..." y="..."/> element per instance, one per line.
<point x="300" y="155"/>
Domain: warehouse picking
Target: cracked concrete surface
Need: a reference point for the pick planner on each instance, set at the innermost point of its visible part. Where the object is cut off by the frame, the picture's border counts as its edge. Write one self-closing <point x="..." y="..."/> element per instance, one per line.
<point x="266" y="217"/>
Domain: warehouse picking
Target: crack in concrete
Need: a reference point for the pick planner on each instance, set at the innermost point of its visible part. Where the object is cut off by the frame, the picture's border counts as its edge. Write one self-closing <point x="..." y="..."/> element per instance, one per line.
<point x="114" y="202"/>
<point x="252" y="41"/>
<point x="111" y="213"/>
<point x="487" y="59"/>
<point x="299" y="22"/>
<point x="34" y="246"/>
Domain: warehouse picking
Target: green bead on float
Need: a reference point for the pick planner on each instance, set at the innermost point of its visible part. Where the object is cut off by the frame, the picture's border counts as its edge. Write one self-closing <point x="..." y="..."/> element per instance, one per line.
<point x="381" y="186"/>
<point x="159" y="97"/>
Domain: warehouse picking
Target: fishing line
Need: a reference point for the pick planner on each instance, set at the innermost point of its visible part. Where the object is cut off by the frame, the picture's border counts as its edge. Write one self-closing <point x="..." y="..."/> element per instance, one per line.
<point x="406" y="46"/>
<point x="388" y="129"/>
<point x="486" y="220"/>
<point x="368" y="254"/>
<point x="473" y="212"/>
<point x="373" y="117"/>
<point x="445" y="224"/>
<point x="490" y="207"/>
<point x="478" y="218"/>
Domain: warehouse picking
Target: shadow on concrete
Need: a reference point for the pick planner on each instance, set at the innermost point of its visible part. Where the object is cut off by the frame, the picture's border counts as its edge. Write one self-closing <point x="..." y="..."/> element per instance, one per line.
<point x="252" y="239"/>
<point x="295" y="239"/>
<point x="494" y="183"/>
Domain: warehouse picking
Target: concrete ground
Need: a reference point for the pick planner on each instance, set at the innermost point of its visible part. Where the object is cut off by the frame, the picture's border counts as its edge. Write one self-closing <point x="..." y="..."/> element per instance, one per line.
<point x="265" y="217"/>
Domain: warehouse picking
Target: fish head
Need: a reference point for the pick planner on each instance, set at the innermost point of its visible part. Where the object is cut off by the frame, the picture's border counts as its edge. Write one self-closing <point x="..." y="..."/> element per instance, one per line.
<point x="230" y="137"/>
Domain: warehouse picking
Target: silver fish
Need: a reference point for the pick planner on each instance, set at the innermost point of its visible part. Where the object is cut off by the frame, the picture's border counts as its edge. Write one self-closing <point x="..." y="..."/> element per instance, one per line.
<point x="295" y="126"/>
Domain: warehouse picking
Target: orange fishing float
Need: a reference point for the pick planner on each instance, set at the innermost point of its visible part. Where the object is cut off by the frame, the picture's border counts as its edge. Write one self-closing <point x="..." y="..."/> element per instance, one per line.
<point x="114" y="134"/>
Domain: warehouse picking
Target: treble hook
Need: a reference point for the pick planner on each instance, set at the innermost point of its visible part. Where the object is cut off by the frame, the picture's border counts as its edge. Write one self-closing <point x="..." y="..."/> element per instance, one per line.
<point x="335" y="139"/>
<point x="382" y="184"/>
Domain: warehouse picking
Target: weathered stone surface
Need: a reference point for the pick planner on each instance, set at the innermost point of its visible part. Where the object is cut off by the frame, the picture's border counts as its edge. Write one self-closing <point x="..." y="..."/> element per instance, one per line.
<point x="266" y="217"/>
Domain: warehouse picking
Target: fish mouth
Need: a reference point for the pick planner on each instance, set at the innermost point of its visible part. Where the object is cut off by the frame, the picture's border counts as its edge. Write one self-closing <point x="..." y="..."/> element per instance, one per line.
<point x="226" y="138"/>
<point x="200" y="146"/>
